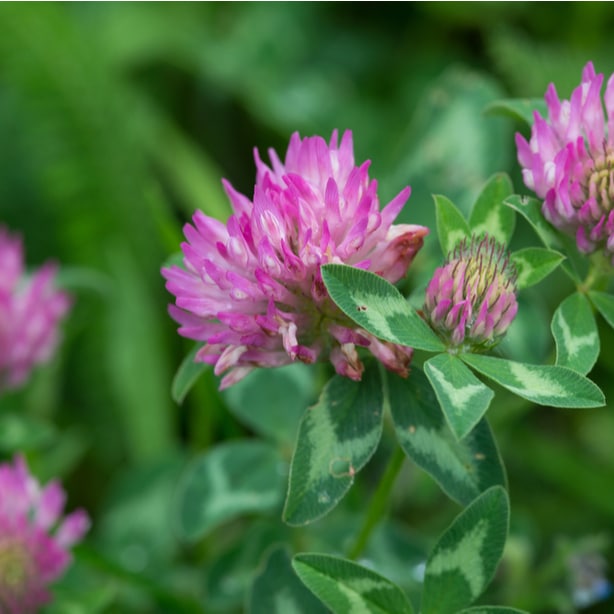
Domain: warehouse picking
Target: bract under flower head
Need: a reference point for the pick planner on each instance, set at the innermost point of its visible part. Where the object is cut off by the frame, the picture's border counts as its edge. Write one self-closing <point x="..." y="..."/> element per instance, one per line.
<point x="252" y="289"/>
<point x="30" y="311"/>
<point x="471" y="301"/>
<point x="35" y="540"/>
<point x="569" y="162"/>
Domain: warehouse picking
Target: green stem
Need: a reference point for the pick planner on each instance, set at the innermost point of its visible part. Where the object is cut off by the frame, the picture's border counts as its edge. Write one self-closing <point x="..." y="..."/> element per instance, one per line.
<point x="379" y="503"/>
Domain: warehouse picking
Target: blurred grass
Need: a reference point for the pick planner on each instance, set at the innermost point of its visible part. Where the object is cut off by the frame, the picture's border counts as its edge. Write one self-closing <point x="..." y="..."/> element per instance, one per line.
<point x="118" y="120"/>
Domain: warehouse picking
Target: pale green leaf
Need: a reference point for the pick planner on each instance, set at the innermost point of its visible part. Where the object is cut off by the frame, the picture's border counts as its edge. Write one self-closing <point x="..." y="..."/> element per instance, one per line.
<point x="604" y="303"/>
<point x="489" y="214"/>
<point x="378" y="307"/>
<point x="336" y="438"/>
<point x="232" y="479"/>
<point x="187" y="375"/>
<point x="520" y="109"/>
<point x="231" y="573"/>
<point x="575" y="333"/>
<point x="277" y="590"/>
<point x="463" y="398"/>
<point x="20" y="432"/>
<point x="348" y="588"/>
<point x="542" y="384"/>
<point x="535" y="263"/>
<point x="463" y="468"/>
<point x="272" y="401"/>
<point x="464" y="560"/>
<point x="452" y="227"/>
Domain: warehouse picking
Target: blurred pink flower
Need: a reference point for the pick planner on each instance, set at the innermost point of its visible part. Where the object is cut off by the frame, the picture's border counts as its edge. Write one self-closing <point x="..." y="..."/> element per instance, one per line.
<point x="471" y="300"/>
<point x="252" y="289"/>
<point x="35" y="540"/>
<point x="30" y="311"/>
<point x="569" y="162"/>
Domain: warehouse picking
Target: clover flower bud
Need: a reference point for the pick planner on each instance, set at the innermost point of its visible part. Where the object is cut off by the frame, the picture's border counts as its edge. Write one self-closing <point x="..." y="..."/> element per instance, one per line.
<point x="471" y="301"/>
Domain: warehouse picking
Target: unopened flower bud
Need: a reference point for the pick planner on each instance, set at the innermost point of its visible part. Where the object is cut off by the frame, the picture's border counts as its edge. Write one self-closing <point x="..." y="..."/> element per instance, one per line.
<point x="471" y="300"/>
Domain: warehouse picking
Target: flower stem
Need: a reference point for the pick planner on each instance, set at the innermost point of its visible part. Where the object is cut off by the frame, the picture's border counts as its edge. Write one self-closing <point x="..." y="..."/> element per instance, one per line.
<point x="379" y="503"/>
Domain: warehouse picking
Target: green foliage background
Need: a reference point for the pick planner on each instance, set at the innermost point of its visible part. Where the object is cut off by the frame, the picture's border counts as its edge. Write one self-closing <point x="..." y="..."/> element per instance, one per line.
<point x="118" y="120"/>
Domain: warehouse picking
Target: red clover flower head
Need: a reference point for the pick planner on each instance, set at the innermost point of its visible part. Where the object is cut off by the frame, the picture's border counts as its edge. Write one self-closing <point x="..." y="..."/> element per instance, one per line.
<point x="30" y="311"/>
<point x="35" y="540"/>
<point x="471" y="301"/>
<point x="569" y="162"/>
<point x="252" y="290"/>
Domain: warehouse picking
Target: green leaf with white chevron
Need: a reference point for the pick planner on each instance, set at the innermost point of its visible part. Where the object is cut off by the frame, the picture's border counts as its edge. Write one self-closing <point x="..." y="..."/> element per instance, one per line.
<point x="277" y="590"/>
<point x="605" y="305"/>
<point x="232" y="479"/>
<point x="452" y="227"/>
<point x="489" y="214"/>
<point x="575" y="333"/>
<point x="463" y="398"/>
<point x="464" y="560"/>
<point x="542" y="384"/>
<point x="378" y="307"/>
<point x="534" y="264"/>
<point x="348" y="588"/>
<point x="336" y="438"/>
<point x="462" y="468"/>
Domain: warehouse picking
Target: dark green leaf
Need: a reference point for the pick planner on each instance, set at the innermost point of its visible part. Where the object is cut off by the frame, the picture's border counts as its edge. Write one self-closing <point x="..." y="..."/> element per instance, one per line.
<point x="190" y="171"/>
<point x="378" y="307"/>
<point x="187" y="375"/>
<point x="531" y="210"/>
<point x="462" y="468"/>
<point x="336" y="438"/>
<point x="492" y="609"/>
<point x="464" y="560"/>
<point x="448" y="142"/>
